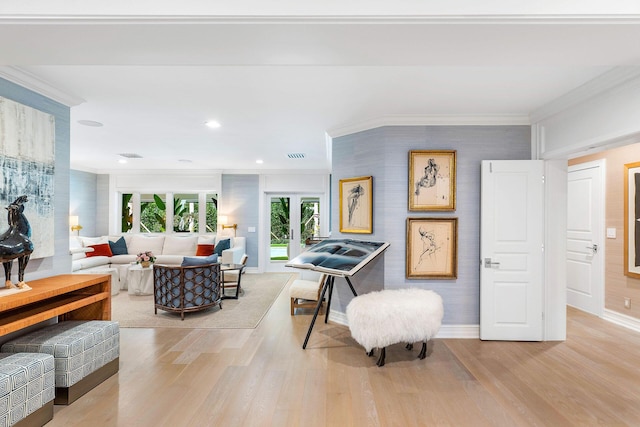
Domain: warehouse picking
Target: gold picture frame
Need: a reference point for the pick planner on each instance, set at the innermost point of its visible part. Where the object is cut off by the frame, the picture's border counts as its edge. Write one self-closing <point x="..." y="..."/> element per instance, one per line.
<point x="432" y="180"/>
<point x="631" y="220"/>
<point x="356" y="205"/>
<point x="432" y="248"/>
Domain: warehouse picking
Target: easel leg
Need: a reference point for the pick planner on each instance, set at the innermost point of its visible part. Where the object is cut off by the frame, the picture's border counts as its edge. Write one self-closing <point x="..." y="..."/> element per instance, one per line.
<point x="326" y="314"/>
<point x="328" y="283"/>
<point x="351" y="286"/>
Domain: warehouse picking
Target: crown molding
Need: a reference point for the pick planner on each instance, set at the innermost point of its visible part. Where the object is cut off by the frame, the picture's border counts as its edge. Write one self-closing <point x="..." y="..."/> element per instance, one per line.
<point x="430" y="120"/>
<point x="611" y="79"/>
<point x="29" y="81"/>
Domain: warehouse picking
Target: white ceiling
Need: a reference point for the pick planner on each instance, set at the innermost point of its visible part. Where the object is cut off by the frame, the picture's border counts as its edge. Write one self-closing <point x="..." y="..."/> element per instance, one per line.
<point x="278" y="85"/>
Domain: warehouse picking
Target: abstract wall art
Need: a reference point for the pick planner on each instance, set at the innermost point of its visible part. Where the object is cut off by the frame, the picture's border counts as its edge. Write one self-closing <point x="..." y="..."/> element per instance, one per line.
<point x="27" y="166"/>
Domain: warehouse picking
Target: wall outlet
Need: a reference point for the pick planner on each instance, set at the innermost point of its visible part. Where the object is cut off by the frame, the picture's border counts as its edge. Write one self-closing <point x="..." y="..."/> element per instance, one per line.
<point x="627" y="302"/>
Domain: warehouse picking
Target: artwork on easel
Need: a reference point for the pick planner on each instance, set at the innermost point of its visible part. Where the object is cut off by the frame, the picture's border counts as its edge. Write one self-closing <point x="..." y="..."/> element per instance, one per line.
<point x="27" y="160"/>
<point x="338" y="257"/>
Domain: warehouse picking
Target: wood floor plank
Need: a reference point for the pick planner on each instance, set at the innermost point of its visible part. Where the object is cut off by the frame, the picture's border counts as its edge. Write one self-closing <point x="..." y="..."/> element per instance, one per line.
<point x="263" y="377"/>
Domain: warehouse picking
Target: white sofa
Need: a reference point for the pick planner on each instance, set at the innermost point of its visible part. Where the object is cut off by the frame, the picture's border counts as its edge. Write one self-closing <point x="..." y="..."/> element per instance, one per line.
<point x="168" y="249"/>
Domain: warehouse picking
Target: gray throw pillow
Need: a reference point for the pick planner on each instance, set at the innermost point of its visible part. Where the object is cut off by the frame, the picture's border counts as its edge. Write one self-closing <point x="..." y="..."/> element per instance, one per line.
<point x="221" y="246"/>
<point x="119" y="247"/>
<point x="192" y="261"/>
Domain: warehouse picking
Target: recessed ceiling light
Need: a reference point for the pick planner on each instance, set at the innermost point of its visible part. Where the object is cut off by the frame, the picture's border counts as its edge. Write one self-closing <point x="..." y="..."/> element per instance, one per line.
<point x="259" y="161"/>
<point x="185" y="161"/>
<point x="91" y="123"/>
<point x="212" y="124"/>
<point x="122" y="161"/>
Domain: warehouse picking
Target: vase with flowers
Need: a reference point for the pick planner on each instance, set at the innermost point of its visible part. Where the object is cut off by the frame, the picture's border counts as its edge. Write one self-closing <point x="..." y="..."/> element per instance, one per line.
<point x="145" y="259"/>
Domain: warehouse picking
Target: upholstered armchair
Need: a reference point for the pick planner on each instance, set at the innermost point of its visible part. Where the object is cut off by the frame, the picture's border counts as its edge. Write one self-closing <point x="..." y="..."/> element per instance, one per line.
<point x="185" y="289"/>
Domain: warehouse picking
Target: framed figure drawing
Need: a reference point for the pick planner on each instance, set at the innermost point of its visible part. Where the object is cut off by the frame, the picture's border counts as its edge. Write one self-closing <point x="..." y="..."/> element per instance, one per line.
<point x="632" y="220"/>
<point x="432" y="180"/>
<point x="356" y="205"/>
<point x="432" y="248"/>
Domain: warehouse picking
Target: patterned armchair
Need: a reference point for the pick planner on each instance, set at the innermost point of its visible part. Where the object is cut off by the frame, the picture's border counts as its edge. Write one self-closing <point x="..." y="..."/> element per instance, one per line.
<point x="184" y="289"/>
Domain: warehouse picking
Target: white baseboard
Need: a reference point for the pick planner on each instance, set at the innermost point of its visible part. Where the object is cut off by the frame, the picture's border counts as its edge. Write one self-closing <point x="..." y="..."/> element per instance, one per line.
<point x="622" y="319"/>
<point x="446" y="331"/>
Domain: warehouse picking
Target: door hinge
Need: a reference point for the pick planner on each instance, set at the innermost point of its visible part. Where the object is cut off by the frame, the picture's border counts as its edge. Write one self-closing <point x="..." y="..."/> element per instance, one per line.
<point x="543" y="179"/>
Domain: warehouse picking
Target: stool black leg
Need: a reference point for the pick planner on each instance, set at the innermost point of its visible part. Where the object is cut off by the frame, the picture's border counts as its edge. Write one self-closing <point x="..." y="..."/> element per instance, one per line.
<point x="381" y="358"/>
<point x="423" y="352"/>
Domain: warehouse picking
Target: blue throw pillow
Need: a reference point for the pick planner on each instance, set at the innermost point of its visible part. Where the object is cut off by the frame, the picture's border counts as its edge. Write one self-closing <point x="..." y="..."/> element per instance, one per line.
<point x="119" y="247"/>
<point x="192" y="261"/>
<point x="221" y="246"/>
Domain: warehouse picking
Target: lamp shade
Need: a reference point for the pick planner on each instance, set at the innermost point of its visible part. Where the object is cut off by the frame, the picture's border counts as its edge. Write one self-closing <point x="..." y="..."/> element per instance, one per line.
<point x="73" y="220"/>
<point x="223" y="219"/>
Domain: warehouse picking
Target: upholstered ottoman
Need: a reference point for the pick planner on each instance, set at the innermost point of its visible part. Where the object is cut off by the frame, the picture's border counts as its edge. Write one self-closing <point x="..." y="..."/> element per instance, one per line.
<point x="86" y="352"/>
<point x="26" y="389"/>
<point x="390" y="316"/>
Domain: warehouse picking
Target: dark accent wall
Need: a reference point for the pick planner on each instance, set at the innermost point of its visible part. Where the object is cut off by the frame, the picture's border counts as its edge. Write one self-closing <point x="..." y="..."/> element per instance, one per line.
<point x="384" y="154"/>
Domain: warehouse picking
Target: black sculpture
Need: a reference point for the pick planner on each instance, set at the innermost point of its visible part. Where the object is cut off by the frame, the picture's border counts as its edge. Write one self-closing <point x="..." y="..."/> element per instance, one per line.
<point x="15" y="243"/>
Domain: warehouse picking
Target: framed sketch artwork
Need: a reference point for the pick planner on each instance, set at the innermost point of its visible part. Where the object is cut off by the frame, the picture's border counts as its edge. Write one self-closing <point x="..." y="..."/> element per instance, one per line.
<point x="356" y="205"/>
<point x="432" y="248"/>
<point x="632" y="220"/>
<point x="432" y="180"/>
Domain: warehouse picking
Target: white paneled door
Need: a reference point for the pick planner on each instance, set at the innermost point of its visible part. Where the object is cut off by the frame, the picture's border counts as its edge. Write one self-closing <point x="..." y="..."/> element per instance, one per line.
<point x="585" y="227"/>
<point x="511" y="250"/>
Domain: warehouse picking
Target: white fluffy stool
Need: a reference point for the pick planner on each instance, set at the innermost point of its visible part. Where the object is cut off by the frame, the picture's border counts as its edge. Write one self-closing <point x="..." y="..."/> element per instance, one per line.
<point x="382" y="318"/>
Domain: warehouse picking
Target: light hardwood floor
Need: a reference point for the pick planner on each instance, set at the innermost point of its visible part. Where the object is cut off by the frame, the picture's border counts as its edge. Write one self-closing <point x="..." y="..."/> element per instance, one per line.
<point x="262" y="377"/>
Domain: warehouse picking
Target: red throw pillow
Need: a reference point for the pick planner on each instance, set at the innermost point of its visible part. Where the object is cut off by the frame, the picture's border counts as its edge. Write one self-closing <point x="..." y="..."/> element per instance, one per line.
<point x="100" y="250"/>
<point x="204" y="250"/>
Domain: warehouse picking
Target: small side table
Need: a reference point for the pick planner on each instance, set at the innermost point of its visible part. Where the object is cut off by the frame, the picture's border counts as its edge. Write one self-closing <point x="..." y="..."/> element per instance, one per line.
<point x="140" y="280"/>
<point x="239" y="268"/>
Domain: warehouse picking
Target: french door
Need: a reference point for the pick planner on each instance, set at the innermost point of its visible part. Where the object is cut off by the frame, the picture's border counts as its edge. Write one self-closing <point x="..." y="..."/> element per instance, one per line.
<point x="293" y="219"/>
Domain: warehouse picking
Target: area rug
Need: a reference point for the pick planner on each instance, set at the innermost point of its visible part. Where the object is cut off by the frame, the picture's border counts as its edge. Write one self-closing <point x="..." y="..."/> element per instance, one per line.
<point x="260" y="291"/>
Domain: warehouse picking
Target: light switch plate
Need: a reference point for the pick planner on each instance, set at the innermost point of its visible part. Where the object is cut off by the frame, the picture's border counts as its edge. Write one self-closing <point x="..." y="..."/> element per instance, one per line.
<point x="611" y="233"/>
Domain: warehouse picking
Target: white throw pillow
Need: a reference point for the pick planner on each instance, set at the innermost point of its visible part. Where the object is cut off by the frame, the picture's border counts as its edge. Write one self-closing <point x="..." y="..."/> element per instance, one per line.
<point x="180" y="245"/>
<point x="207" y="240"/>
<point x="140" y="243"/>
<point x="89" y="241"/>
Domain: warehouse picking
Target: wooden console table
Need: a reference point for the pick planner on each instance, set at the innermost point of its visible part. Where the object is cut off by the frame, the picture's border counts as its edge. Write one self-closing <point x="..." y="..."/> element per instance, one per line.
<point x="67" y="297"/>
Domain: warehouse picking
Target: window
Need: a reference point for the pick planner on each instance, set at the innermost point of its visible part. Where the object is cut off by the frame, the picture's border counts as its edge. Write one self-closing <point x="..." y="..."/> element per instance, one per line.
<point x="180" y="211"/>
<point x="127" y="212"/>
<point x="153" y="213"/>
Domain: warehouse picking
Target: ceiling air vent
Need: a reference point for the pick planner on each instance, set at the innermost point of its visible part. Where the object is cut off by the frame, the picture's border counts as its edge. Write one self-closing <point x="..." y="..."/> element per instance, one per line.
<point x="295" y="155"/>
<point x="130" y="155"/>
